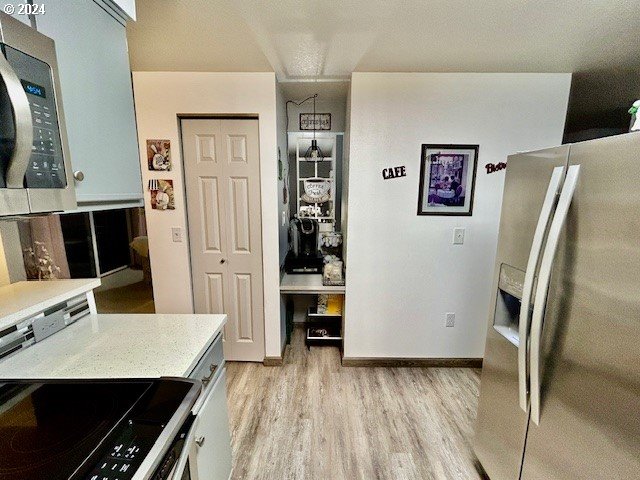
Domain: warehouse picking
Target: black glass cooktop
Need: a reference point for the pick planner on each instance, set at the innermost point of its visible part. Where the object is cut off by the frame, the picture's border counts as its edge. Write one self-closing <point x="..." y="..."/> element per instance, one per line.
<point x="78" y="430"/>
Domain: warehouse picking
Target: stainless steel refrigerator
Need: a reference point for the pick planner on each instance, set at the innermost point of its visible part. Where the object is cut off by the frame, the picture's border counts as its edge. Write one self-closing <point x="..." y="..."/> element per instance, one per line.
<point x="560" y="388"/>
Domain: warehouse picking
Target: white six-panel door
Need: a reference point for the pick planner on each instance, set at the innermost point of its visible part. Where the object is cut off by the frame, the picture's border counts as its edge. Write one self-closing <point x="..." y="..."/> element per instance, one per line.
<point x="222" y="182"/>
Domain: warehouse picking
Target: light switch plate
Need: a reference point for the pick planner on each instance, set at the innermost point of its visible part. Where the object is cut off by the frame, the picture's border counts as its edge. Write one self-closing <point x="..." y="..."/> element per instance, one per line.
<point x="176" y="234"/>
<point x="450" y="320"/>
<point x="458" y="236"/>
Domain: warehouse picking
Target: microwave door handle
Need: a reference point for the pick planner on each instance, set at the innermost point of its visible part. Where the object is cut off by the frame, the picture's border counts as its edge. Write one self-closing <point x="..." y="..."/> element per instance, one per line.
<point x="527" y="289"/>
<point x="546" y="267"/>
<point x="23" y="123"/>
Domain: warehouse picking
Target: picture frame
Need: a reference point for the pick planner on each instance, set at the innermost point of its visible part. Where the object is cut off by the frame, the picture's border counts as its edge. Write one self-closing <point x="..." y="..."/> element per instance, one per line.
<point x="162" y="195"/>
<point x="447" y="179"/>
<point x="321" y="122"/>
<point x="159" y="155"/>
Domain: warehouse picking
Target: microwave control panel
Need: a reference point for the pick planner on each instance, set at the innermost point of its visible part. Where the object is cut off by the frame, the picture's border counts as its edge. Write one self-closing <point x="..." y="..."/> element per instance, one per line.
<point x="46" y="166"/>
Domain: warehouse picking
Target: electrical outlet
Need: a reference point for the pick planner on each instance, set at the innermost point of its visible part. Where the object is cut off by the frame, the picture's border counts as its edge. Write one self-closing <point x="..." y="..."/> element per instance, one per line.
<point x="450" y="320"/>
<point x="458" y="236"/>
<point x="176" y="234"/>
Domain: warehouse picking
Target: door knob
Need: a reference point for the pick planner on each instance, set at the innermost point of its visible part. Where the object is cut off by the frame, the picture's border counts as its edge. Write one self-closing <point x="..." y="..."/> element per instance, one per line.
<point x="78" y="175"/>
<point x="222" y="260"/>
<point x="200" y="441"/>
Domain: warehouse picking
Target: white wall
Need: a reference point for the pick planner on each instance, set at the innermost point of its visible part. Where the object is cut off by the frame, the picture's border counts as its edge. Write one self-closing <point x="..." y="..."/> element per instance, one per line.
<point x="5" y="279"/>
<point x="159" y="98"/>
<point x="403" y="272"/>
<point x="11" y="257"/>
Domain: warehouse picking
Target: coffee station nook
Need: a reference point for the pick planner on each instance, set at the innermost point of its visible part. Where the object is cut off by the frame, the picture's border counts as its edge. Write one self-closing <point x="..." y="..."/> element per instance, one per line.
<point x="312" y="284"/>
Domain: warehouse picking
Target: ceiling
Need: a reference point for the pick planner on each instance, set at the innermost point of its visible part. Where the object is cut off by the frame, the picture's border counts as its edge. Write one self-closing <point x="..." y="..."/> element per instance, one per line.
<point x="310" y="40"/>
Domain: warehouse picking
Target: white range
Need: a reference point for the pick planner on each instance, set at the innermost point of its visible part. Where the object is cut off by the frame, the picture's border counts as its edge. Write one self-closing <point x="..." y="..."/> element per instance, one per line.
<point x="50" y="330"/>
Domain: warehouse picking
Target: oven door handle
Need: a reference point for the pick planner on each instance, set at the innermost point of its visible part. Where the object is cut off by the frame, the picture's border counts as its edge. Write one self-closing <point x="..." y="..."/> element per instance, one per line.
<point x="19" y="161"/>
<point x="183" y="460"/>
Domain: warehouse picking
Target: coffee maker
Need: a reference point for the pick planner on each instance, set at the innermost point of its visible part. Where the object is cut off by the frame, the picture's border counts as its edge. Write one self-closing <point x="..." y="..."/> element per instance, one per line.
<point x="304" y="256"/>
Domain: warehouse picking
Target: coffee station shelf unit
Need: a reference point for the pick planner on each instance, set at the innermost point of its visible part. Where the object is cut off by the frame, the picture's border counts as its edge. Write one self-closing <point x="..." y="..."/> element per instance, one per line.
<point x="316" y="171"/>
<point x="330" y="325"/>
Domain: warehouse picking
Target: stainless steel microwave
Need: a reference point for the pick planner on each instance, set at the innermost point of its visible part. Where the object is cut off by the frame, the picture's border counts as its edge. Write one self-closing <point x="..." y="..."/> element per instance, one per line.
<point x="35" y="173"/>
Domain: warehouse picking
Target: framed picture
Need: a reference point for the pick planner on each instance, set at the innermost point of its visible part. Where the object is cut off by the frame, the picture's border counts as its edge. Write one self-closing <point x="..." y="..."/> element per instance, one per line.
<point x="159" y="155"/>
<point x="447" y="179"/>
<point x="162" y="197"/>
<point x="322" y="121"/>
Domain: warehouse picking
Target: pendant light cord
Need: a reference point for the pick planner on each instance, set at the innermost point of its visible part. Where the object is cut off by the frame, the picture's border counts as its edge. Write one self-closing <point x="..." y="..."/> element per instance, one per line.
<point x="314" y="116"/>
<point x="286" y="108"/>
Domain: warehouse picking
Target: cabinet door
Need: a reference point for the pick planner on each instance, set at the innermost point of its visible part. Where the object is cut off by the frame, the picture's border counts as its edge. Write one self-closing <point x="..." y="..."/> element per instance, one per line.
<point x="210" y="454"/>
<point x="97" y="97"/>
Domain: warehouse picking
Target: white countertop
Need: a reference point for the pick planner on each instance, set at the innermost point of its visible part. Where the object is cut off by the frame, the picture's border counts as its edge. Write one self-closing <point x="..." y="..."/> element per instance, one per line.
<point x="306" y="283"/>
<point x="23" y="299"/>
<point x="118" y="346"/>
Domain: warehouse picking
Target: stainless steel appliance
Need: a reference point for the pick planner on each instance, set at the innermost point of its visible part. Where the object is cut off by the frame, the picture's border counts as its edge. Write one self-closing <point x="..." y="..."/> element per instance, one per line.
<point x="560" y="389"/>
<point x="35" y="173"/>
<point x="94" y="430"/>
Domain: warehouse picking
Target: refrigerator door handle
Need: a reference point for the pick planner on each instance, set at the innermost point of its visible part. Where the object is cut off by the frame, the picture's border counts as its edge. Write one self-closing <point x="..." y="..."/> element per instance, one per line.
<point x="544" y="278"/>
<point x="534" y="255"/>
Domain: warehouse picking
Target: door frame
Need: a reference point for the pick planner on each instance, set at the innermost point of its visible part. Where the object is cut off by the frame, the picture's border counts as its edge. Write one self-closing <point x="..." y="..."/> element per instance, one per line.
<point x="222" y="116"/>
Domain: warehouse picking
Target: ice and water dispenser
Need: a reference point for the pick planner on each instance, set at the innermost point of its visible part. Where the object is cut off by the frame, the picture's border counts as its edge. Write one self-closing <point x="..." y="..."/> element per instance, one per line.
<point x="506" y="317"/>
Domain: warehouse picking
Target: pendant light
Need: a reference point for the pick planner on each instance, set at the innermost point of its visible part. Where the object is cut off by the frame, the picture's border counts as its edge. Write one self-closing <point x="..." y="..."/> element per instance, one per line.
<point x="313" y="153"/>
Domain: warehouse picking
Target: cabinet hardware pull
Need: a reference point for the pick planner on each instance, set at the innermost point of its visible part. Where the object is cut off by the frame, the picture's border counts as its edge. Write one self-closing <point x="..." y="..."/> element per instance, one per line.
<point x="212" y="368"/>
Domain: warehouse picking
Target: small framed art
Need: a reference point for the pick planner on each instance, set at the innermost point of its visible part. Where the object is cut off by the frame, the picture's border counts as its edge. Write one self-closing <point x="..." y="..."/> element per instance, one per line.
<point x="159" y="155"/>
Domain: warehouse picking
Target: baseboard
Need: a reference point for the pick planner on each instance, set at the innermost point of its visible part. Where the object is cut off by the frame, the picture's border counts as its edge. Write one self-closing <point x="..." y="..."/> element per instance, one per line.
<point x="411" y="362"/>
<point x="275" y="361"/>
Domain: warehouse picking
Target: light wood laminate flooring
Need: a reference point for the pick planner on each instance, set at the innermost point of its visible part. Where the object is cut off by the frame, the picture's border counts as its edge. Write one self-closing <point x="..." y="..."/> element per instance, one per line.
<point x="314" y="419"/>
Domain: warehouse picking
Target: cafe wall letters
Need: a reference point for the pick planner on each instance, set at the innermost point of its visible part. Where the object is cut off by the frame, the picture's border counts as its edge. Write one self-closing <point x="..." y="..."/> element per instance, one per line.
<point x="394" y="172"/>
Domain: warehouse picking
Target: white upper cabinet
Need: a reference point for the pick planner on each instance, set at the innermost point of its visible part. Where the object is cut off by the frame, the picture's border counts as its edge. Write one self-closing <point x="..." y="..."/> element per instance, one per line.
<point x="128" y="7"/>
<point x="97" y="96"/>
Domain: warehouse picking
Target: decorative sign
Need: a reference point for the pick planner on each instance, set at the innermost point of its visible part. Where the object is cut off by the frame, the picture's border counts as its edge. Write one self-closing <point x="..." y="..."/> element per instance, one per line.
<point x="447" y="179"/>
<point x="316" y="190"/>
<point x="322" y="121"/>
<point x="495" y="167"/>
<point x="394" y="172"/>
<point x="159" y="155"/>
